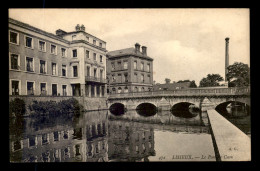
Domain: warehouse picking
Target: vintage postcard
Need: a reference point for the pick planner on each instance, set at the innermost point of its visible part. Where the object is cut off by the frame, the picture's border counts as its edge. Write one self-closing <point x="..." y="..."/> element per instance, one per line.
<point x="129" y="85"/>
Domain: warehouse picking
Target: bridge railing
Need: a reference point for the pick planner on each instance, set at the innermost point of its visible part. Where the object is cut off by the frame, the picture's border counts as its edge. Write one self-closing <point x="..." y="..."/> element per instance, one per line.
<point x="192" y="91"/>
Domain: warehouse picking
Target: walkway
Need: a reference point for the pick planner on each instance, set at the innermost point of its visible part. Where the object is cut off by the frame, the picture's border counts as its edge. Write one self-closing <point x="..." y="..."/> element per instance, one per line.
<point x="232" y="143"/>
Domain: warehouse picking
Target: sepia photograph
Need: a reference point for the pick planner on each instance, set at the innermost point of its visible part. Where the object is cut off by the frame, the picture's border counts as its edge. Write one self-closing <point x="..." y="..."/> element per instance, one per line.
<point x="129" y="85"/>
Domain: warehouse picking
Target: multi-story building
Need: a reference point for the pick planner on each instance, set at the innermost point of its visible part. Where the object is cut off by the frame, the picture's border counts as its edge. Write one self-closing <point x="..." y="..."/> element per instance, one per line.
<point x="129" y="70"/>
<point x="65" y="64"/>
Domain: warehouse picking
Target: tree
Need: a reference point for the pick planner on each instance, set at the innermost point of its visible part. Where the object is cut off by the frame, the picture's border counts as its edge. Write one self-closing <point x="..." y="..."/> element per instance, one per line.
<point x="167" y="80"/>
<point x="238" y="75"/>
<point x="193" y="84"/>
<point x="211" y="80"/>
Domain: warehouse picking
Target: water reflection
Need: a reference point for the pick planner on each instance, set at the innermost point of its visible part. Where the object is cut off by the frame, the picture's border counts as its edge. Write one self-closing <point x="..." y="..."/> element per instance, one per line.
<point x="117" y="109"/>
<point x="101" y="136"/>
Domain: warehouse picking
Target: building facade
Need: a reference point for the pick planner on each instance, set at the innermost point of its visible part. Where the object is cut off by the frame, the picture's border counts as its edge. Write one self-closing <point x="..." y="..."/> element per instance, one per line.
<point x="61" y="64"/>
<point x="129" y="70"/>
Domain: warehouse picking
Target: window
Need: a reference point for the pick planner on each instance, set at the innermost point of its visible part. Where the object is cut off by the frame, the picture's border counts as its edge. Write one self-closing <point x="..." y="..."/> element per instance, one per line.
<point x="17" y="145"/>
<point x="32" y="141"/>
<point x="29" y="64"/>
<point x="119" y="64"/>
<point x="100" y="44"/>
<point x="42" y="46"/>
<point x="126" y="90"/>
<point x="142" y="66"/>
<point x="142" y="78"/>
<point x="45" y="138"/>
<point x="13" y="37"/>
<point x="43" y="67"/>
<point x="43" y="88"/>
<point x="149" y="78"/>
<point x="56" y="136"/>
<point x="63" y="52"/>
<point x="64" y="70"/>
<point x="75" y="71"/>
<point x="95" y="56"/>
<point x="113" y="66"/>
<point x="87" y="54"/>
<point x="54" y="69"/>
<point x="54" y="89"/>
<point x="64" y="90"/>
<point x="101" y="74"/>
<point x="46" y="156"/>
<point x="135" y="64"/>
<point x="28" y="42"/>
<point x="113" y="78"/>
<point x="94" y="42"/>
<point x="14" y="61"/>
<point x="119" y="90"/>
<point x="135" y="78"/>
<point x="148" y="67"/>
<point x="74" y="53"/>
<point x="119" y="78"/>
<point x="101" y="58"/>
<point x="30" y="88"/>
<point x="126" y="77"/>
<point x="87" y="38"/>
<point x="15" y="87"/>
<point x="66" y="135"/>
<point x="88" y="71"/>
<point x="74" y="37"/>
<point x="95" y="72"/>
<point x="125" y="64"/>
<point x="142" y="89"/>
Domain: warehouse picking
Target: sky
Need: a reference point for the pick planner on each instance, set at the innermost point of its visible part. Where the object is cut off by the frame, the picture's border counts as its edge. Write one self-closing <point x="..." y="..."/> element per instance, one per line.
<point x="184" y="43"/>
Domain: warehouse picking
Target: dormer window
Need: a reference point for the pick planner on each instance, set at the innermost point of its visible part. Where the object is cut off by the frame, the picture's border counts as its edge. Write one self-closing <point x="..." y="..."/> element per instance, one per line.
<point x="100" y="44"/>
<point x="87" y="38"/>
<point x="94" y="42"/>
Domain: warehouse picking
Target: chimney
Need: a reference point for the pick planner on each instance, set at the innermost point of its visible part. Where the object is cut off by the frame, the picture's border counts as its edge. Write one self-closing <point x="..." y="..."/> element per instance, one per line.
<point x="137" y="47"/>
<point x="226" y="57"/>
<point x="60" y="32"/>
<point x="144" y="50"/>
<point x="82" y="28"/>
<point x="77" y="27"/>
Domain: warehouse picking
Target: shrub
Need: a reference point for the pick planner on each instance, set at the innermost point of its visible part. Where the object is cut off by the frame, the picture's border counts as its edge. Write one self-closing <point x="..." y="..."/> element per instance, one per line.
<point x="62" y="107"/>
<point x="17" y="106"/>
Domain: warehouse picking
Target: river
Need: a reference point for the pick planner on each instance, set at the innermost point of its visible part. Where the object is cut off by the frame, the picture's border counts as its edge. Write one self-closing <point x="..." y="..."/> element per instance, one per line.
<point x="101" y="136"/>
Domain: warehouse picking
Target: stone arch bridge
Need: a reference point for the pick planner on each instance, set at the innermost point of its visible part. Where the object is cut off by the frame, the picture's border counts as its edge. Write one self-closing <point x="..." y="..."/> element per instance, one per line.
<point x="164" y="100"/>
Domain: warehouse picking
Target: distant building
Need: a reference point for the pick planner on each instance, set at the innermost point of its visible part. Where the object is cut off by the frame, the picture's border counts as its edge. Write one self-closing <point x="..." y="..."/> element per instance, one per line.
<point x="65" y="64"/>
<point x="171" y="86"/>
<point x="129" y="70"/>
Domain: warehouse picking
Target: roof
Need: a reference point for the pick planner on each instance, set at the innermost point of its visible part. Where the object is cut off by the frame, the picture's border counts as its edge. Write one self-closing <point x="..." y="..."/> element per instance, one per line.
<point x="29" y="27"/>
<point x="127" y="51"/>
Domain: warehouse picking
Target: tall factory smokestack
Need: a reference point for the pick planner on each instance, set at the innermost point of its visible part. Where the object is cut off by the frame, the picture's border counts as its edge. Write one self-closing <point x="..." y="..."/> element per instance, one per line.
<point x="226" y="57"/>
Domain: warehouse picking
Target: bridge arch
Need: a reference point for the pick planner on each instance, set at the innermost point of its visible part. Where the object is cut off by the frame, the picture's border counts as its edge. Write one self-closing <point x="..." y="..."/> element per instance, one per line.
<point x="182" y="106"/>
<point x="226" y="108"/>
<point x="117" y="109"/>
<point x="146" y="109"/>
<point x="185" y="110"/>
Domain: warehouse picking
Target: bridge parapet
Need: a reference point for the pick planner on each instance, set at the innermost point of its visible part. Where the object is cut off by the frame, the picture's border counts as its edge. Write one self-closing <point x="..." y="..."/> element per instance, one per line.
<point x="188" y="92"/>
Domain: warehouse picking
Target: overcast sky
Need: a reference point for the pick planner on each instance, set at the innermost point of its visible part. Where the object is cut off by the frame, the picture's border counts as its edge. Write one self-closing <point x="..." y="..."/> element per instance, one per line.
<point x="184" y="43"/>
